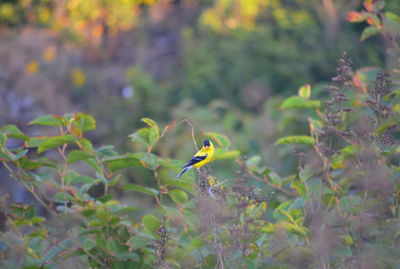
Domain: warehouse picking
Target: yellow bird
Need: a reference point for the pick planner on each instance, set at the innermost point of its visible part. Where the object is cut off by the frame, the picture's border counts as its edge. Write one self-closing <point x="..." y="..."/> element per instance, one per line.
<point x="201" y="158"/>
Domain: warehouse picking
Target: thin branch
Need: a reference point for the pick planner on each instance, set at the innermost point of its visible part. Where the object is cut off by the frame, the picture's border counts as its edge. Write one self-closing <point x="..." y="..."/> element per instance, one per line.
<point x="192" y="128"/>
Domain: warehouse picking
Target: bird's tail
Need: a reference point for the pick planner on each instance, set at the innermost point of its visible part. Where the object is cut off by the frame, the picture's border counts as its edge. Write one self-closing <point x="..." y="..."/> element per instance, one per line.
<point x="185" y="168"/>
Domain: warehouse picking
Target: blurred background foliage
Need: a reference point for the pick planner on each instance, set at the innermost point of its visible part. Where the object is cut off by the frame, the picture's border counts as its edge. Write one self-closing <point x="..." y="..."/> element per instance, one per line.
<point x="208" y="61"/>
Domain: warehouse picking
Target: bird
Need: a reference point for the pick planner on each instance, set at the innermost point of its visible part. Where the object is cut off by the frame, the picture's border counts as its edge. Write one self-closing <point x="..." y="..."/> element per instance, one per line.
<point x="201" y="158"/>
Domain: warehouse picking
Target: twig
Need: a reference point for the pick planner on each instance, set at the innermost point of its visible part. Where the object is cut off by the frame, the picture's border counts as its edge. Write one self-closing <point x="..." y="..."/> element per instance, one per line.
<point x="192" y="128"/>
<point x="217" y="244"/>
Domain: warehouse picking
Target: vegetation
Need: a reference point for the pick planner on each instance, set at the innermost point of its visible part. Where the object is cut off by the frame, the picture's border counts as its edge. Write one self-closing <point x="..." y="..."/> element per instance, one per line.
<point x="305" y="180"/>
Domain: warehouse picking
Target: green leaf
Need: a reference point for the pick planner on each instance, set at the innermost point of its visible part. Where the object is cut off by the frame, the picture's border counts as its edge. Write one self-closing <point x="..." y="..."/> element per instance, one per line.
<point x="3" y="140"/>
<point x="72" y="180"/>
<point x="282" y="207"/>
<point x="299" y="187"/>
<point x="185" y="185"/>
<point x="178" y="196"/>
<point x="35" y="142"/>
<point x="41" y="177"/>
<point x="275" y="178"/>
<point x="52" y="253"/>
<point x="122" y="161"/>
<point x="350" y="150"/>
<point x="300" y="102"/>
<point x="149" y="160"/>
<point x="13" y="132"/>
<point x="383" y="127"/>
<point x="305" y="173"/>
<point x="151" y="222"/>
<point x="27" y="164"/>
<point x="83" y="122"/>
<point x="210" y="261"/>
<point x="222" y="140"/>
<point x="137" y="242"/>
<point x="149" y="122"/>
<point x="153" y="133"/>
<point x="253" y="162"/>
<point x="298" y="139"/>
<point x="221" y="154"/>
<point x="171" y="163"/>
<point x="141" y="189"/>
<point x="350" y="203"/>
<point x="392" y="16"/>
<point x="196" y="243"/>
<point x="369" y="31"/>
<point x="47" y="120"/>
<point x="63" y="197"/>
<point x="88" y="244"/>
<point x="124" y="256"/>
<point x="55" y="141"/>
<point x="305" y="91"/>
<point x="17" y="154"/>
<point x="77" y="155"/>
<point x="141" y="136"/>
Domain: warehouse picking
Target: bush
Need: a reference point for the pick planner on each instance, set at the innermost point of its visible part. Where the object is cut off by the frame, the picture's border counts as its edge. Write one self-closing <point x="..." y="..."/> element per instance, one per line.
<point x="340" y="209"/>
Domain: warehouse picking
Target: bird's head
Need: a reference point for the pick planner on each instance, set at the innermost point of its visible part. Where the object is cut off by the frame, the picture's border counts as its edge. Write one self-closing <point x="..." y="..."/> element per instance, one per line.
<point x="207" y="143"/>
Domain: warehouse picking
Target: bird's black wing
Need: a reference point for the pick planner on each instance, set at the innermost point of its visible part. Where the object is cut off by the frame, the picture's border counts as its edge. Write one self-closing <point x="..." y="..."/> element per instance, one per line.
<point x="195" y="160"/>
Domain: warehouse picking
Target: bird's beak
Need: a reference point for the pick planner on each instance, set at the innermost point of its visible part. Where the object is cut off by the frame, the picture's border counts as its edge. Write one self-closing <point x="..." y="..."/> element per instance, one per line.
<point x="206" y="147"/>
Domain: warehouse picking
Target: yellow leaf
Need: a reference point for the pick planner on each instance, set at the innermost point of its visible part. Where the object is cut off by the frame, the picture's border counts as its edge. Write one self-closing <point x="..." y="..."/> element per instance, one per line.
<point x="32" y="67"/>
<point x="78" y="77"/>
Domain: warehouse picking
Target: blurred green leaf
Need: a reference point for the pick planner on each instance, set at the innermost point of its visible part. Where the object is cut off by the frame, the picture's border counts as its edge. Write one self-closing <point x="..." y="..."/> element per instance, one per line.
<point x="185" y="185"/>
<point x="122" y="161"/>
<point x="210" y="261"/>
<point x="55" y="141"/>
<point x="149" y="160"/>
<point x="275" y="178"/>
<point x="34" y="142"/>
<point x="298" y="139"/>
<point x="299" y="187"/>
<point x="149" y="122"/>
<point x="369" y="31"/>
<point x="81" y="123"/>
<point x="171" y="163"/>
<point x="141" y="189"/>
<point x="196" y="243"/>
<point x="77" y="155"/>
<point x="178" y="196"/>
<point x="305" y="173"/>
<point x="151" y="222"/>
<point x="350" y="203"/>
<point x="221" y="154"/>
<point x="154" y="132"/>
<point x="52" y="253"/>
<point x="3" y="140"/>
<point x="141" y="136"/>
<point x="77" y="179"/>
<point x="300" y="102"/>
<point x="17" y="154"/>
<point x="222" y="140"/>
<point x="88" y="244"/>
<point x="48" y="120"/>
<point x="305" y="91"/>
<point x="253" y="162"/>
<point x="13" y="132"/>
<point x="137" y="242"/>
<point x="282" y="207"/>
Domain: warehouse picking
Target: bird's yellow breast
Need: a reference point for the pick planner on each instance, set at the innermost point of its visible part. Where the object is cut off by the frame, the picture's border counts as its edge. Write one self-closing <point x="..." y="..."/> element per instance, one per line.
<point x="205" y="151"/>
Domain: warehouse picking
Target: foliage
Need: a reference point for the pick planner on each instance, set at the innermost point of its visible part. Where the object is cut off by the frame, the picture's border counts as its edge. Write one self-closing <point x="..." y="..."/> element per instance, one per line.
<point x="326" y="195"/>
<point x="340" y="209"/>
